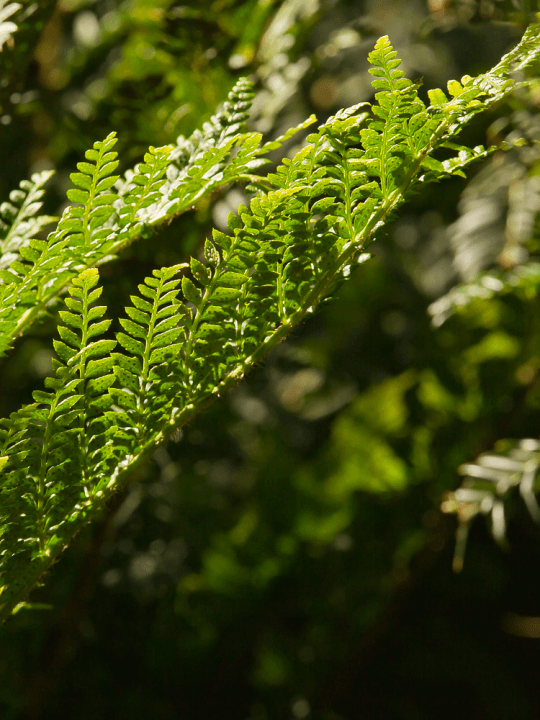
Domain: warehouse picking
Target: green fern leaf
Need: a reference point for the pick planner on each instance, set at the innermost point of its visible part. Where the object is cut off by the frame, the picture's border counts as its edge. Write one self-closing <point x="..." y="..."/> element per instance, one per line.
<point x="151" y="339"/>
<point x="19" y="219"/>
<point x="54" y="448"/>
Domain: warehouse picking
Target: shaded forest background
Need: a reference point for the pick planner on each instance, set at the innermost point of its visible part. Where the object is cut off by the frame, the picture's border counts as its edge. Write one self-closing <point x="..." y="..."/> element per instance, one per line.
<point x="286" y="557"/>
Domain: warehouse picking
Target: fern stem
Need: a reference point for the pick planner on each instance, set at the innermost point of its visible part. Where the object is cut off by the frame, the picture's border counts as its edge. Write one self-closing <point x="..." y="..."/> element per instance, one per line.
<point x="83" y="438"/>
<point x="348" y="208"/>
<point x="146" y="365"/>
<point x="40" y="506"/>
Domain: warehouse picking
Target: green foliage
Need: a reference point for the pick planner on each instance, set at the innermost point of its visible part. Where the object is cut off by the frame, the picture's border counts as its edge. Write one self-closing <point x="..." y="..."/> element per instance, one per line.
<point x="102" y="221"/>
<point x="18" y="221"/>
<point x="509" y="263"/>
<point x="309" y="223"/>
<point x="487" y="486"/>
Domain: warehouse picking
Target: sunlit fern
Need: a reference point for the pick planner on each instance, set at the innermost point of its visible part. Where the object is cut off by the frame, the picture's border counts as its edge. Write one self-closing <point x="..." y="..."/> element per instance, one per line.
<point x="192" y="332"/>
<point x="488" y="484"/>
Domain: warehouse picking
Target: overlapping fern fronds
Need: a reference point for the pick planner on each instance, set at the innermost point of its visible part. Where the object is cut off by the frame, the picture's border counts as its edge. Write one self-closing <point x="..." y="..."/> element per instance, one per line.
<point x="187" y="339"/>
<point x="108" y="213"/>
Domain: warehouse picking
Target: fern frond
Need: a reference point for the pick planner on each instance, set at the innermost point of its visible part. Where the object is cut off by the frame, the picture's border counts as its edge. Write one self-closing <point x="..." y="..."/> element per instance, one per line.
<point x="57" y="447"/>
<point x="474" y="95"/>
<point x="103" y="222"/>
<point x="283" y="255"/>
<point x="91" y="362"/>
<point x="80" y="240"/>
<point x="383" y="140"/>
<point x="228" y="121"/>
<point x="488" y="484"/>
<point x="524" y="278"/>
<point x="222" y="153"/>
<point x="523" y="55"/>
<point x="142" y="191"/>
<point x="152" y="336"/>
<point x="282" y="258"/>
<point x="19" y="219"/>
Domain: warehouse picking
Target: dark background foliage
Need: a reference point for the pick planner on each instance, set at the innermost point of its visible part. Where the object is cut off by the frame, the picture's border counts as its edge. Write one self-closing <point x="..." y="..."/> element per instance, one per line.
<point x="286" y="557"/>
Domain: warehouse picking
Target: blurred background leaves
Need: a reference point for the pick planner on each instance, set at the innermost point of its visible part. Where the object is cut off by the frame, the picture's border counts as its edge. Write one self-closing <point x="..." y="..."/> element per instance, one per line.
<point x="286" y="556"/>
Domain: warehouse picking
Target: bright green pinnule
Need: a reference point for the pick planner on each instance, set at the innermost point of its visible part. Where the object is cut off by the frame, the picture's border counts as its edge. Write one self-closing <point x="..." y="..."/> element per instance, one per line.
<point x="187" y="340"/>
